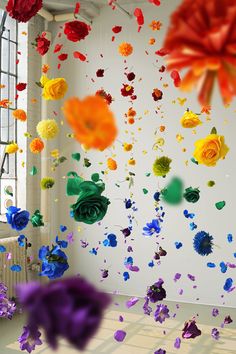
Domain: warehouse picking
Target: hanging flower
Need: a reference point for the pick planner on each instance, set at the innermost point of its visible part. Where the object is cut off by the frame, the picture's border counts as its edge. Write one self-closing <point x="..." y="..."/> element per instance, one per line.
<point x="23" y="10"/>
<point x="43" y="44"/>
<point x="37" y="219"/>
<point x="161" y="166"/>
<point x="54" y="262"/>
<point x="47" y="129"/>
<point x="76" y="30"/>
<point x="202" y="243"/>
<point x="28" y="340"/>
<point x="156" y="292"/>
<point x="125" y="49"/>
<point x="106" y="96"/>
<point x="20" y="114"/>
<point x="161" y="313"/>
<point x="47" y="183"/>
<point x="111" y="164"/>
<point x="210" y="149"/>
<point x="206" y="47"/>
<point x="92" y="121"/>
<point x="190" y="330"/>
<point x="155" y="25"/>
<point x="36" y="146"/>
<point x="152" y="228"/>
<point x="17" y="218"/>
<point x="192" y="195"/>
<point x="7" y="307"/>
<point x="127" y="147"/>
<point x="127" y="90"/>
<point x="190" y="120"/>
<point x="157" y="94"/>
<point x="11" y="148"/>
<point x="53" y="89"/>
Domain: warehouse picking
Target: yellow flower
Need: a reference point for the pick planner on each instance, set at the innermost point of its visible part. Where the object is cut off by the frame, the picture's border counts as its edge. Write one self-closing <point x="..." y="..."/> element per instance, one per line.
<point x="190" y="120"/>
<point x="55" y="153"/>
<point x="43" y="80"/>
<point x="55" y="89"/>
<point x="11" y="148"/>
<point x="132" y="162"/>
<point x="210" y="149"/>
<point x="127" y="147"/>
<point x="47" y="128"/>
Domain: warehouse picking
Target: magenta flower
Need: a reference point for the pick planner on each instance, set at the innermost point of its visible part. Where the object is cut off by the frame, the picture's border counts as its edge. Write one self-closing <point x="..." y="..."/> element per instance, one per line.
<point x="28" y="340"/>
<point x="161" y="313"/>
<point x="190" y="330"/>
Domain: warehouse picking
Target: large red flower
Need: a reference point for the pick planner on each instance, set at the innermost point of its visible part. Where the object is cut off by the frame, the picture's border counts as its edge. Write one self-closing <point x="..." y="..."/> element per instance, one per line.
<point x="43" y="44"/>
<point x="76" y="30"/>
<point x="202" y="37"/>
<point x="23" y="10"/>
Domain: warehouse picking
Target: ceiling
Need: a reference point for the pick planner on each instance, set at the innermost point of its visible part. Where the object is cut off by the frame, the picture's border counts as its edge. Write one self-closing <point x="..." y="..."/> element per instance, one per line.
<point x="89" y="8"/>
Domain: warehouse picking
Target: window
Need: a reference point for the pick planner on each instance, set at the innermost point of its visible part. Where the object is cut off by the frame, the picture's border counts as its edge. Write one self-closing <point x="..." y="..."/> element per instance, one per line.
<point x="8" y="131"/>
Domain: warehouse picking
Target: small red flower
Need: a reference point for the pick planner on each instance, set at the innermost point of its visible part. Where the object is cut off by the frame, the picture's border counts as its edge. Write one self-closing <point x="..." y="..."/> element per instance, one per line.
<point x="76" y="30"/>
<point x="23" y="10"/>
<point x="157" y="94"/>
<point x="63" y="56"/>
<point x="107" y="97"/>
<point x="131" y="76"/>
<point x="80" y="56"/>
<point x="43" y="44"/>
<point x="117" y="29"/>
<point x="21" y="86"/>
<point x="57" y="48"/>
<point x="155" y="2"/>
<point x="162" y="69"/>
<point x="100" y="73"/>
<point x="127" y="90"/>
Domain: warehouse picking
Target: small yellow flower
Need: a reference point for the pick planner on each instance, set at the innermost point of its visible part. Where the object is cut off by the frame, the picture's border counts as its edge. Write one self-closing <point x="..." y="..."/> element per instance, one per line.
<point x="55" y="153"/>
<point x="127" y="147"/>
<point x="11" y="148"/>
<point x="47" y="129"/>
<point x="132" y="162"/>
<point x="190" y="120"/>
<point x="54" y="89"/>
<point x="210" y="149"/>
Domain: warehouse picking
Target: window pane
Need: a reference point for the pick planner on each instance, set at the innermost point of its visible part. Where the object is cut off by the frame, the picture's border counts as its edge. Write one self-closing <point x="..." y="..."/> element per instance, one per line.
<point x="4" y="58"/>
<point x="12" y="58"/>
<point x="11" y="24"/>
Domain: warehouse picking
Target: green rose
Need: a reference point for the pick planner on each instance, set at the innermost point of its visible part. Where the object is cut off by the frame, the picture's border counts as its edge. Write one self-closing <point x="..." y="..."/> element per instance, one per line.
<point x="37" y="219"/>
<point x="161" y="166"/>
<point x="91" y="206"/>
<point x="192" y="195"/>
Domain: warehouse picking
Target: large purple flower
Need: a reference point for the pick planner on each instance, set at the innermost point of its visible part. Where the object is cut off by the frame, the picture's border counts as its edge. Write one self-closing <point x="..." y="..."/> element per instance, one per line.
<point x="190" y="330"/>
<point x="69" y="308"/>
<point x="161" y="313"/>
<point x="28" y="340"/>
<point x="7" y="307"/>
<point x="156" y="292"/>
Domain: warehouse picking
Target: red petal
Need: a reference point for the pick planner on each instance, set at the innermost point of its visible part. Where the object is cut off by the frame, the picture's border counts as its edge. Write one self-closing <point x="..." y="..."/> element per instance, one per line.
<point x="80" y="56"/>
<point x="117" y="29"/>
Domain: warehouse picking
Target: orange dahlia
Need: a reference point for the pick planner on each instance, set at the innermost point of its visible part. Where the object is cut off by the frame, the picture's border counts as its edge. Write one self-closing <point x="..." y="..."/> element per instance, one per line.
<point x="202" y="38"/>
<point x="111" y="164"/>
<point x="125" y="49"/>
<point x="36" y="146"/>
<point x="92" y="121"/>
<point x="20" y="114"/>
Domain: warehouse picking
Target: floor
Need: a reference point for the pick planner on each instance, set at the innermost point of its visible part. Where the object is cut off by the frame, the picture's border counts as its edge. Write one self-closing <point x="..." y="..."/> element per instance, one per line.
<point x="144" y="335"/>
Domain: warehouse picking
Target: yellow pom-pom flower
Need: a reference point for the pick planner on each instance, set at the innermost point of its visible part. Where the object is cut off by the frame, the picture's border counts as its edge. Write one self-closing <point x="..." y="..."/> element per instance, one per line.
<point x="132" y="162"/>
<point x="125" y="49"/>
<point x="47" y="129"/>
<point x="11" y="148"/>
<point x="47" y="183"/>
<point x="127" y="147"/>
<point x="190" y="120"/>
<point x="54" y="89"/>
<point x="161" y="166"/>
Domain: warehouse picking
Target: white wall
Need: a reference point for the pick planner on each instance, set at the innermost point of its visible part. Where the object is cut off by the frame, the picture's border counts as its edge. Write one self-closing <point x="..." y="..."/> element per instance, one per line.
<point x="175" y="227"/>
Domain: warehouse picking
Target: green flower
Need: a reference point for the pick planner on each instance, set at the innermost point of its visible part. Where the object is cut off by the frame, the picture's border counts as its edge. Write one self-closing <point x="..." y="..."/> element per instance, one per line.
<point x="161" y="166"/>
<point x="173" y="192"/>
<point x="47" y="182"/>
<point x="91" y="206"/>
<point x="192" y="195"/>
<point x="37" y="219"/>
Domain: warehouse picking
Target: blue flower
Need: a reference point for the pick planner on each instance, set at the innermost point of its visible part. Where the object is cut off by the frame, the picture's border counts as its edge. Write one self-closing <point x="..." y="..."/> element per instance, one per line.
<point x="2" y="249"/>
<point x="126" y="276"/>
<point x="54" y="262"/>
<point x="21" y="240"/>
<point x="228" y="284"/>
<point x="152" y="228"/>
<point x="16" y="218"/>
<point x="202" y="243"/>
<point x="61" y="243"/>
<point x="128" y="203"/>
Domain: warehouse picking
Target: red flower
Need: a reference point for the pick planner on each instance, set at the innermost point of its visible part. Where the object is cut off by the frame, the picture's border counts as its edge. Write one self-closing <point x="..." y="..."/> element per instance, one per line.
<point x="80" y="56"/>
<point x="57" y="48"/>
<point x="139" y="16"/>
<point x="63" y="56"/>
<point x="202" y="38"/>
<point x="176" y="78"/>
<point x="157" y="94"/>
<point x="107" y="97"/>
<point x="23" y="10"/>
<point x="100" y="73"/>
<point x="117" y="29"/>
<point x="21" y="86"/>
<point x="43" y="45"/>
<point x="131" y="76"/>
<point x="155" y="2"/>
<point x="127" y="90"/>
<point x="76" y="30"/>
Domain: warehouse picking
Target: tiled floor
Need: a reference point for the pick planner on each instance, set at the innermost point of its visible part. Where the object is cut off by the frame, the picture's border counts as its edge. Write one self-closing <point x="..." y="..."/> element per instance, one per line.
<point x="144" y="335"/>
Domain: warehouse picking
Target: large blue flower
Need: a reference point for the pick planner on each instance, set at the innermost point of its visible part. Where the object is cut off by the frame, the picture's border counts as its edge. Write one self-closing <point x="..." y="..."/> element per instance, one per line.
<point x="16" y="218"/>
<point x="202" y="243"/>
<point x="152" y="228"/>
<point x="54" y="262"/>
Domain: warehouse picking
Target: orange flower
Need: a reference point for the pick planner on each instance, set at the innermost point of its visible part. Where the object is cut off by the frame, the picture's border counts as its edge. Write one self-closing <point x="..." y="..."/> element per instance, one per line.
<point x="155" y="25"/>
<point x="152" y="41"/>
<point x="20" y="114"/>
<point x="111" y="164"/>
<point x="92" y="121"/>
<point x="125" y="49"/>
<point x="5" y="103"/>
<point x="36" y="146"/>
<point x="45" y="68"/>
<point x="162" y="128"/>
<point x="201" y="38"/>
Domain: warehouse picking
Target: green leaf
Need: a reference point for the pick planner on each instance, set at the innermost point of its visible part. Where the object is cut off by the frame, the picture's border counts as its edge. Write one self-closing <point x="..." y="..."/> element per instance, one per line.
<point x="213" y="130"/>
<point x="33" y="171"/>
<point x="76" y="156"/>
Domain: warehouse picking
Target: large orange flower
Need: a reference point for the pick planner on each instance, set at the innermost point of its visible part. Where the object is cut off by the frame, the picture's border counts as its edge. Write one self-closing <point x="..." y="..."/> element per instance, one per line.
<point x="92" y="121"/>
<point x="202" y="37"/>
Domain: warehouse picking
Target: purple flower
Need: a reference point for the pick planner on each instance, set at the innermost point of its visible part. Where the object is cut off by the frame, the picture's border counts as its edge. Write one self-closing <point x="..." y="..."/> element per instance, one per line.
<point x="190" y="330"/>
<point x="69" y="308"/>
<point x="7" y="307"/>
<point x="28" y="340"/>
<point x="152" y="228"/>
<point x="131" y="302"/>
<point x="156" y="292"/>
<point x="147" y="309"/>
<point x="228" y="320"/>
<point x="126" y="232"/>
<point x="177" y="277"/>
<point x="160" y="351"/>
<point x="215" y="333"/>
<point x="177" y="343"/>
<point x="215" y="312"/>
<point x="161" y="313"/>
<point x="119" y="335"/>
